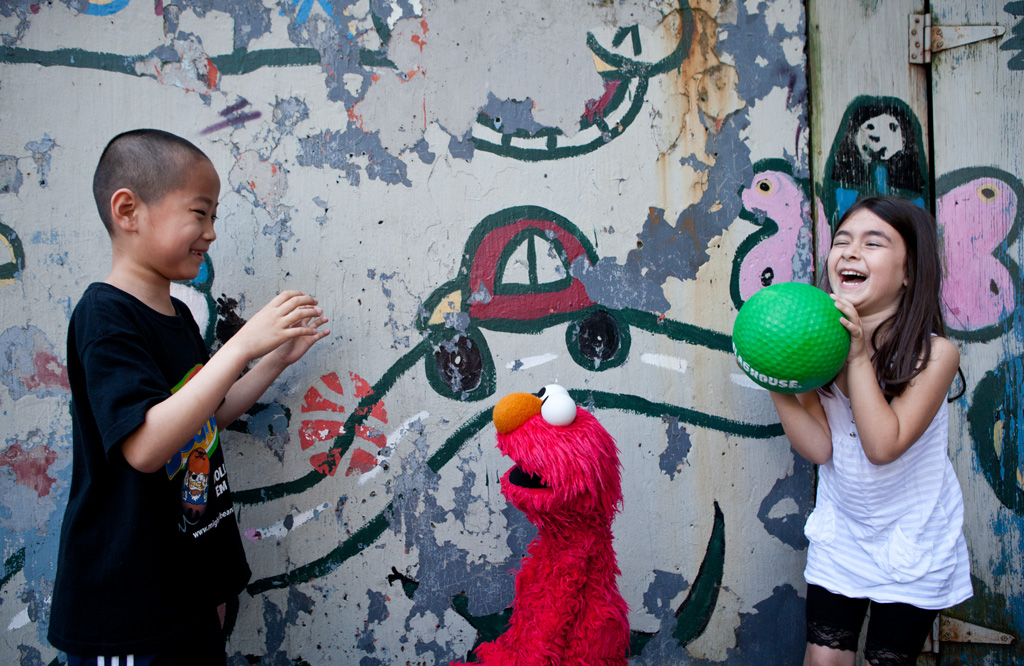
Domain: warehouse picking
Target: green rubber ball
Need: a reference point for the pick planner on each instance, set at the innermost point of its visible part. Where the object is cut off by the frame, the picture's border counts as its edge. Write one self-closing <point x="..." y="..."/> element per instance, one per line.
<point x="788" y="338"/>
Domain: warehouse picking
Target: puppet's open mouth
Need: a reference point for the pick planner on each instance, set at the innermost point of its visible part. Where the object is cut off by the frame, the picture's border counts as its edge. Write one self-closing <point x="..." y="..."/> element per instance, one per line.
<point x="517" y="477"/>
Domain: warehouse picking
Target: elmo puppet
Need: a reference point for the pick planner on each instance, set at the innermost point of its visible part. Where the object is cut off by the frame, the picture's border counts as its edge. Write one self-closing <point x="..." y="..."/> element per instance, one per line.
<point x="567" y="609"/>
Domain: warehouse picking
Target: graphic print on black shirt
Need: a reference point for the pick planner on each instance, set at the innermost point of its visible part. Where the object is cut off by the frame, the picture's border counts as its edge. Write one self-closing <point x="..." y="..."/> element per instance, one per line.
<point x="195" y="459"/>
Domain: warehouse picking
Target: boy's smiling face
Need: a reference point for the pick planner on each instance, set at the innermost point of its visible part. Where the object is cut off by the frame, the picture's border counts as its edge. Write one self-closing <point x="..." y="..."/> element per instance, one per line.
<point x="175" y="232"/>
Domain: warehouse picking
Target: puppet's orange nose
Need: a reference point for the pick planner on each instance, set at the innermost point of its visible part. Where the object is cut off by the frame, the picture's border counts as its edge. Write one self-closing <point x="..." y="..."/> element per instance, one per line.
<point x="514" y="410"/>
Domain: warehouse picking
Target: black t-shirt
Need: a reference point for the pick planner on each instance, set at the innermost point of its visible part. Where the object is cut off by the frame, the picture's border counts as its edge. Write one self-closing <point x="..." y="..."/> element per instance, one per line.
<point x="142" y="556"/>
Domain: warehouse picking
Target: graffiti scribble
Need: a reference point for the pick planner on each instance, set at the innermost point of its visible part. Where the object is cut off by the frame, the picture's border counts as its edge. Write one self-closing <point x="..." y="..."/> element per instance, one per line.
<point x="233" y="117"/>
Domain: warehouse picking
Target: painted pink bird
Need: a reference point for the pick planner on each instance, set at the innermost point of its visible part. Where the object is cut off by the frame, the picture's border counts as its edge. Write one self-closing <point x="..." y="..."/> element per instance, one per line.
<point x="781" y="250"/>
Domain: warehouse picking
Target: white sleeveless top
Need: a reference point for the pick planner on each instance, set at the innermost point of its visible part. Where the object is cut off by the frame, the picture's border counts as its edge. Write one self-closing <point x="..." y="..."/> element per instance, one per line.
<point x="893" y="532"/>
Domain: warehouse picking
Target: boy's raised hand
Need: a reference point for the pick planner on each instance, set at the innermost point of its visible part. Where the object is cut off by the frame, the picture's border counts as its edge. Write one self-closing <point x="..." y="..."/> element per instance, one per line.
<point x="287" y="326"/>
<point x="280" y="333"/>
<point x="295" y="347"/>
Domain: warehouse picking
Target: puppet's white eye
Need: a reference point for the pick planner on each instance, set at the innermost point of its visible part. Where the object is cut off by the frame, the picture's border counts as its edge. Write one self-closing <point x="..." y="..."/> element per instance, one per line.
<point x="557" y="407"/>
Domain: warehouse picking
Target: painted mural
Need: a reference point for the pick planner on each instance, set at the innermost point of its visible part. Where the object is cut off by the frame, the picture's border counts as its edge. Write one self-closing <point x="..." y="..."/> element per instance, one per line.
<point x="485" y="197"/>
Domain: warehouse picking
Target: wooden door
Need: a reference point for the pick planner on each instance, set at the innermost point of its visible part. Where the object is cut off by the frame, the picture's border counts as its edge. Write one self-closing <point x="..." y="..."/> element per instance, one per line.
<point x="948" y="134"/>
<point x="978" y="120"/>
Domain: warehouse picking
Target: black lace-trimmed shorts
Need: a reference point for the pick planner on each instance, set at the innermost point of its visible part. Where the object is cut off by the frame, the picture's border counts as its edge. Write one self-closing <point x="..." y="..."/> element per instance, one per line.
<point x="896" y="632"/>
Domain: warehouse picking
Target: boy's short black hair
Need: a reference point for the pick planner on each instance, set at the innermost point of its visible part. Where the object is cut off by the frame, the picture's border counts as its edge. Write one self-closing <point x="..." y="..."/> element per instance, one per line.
<point x="149" y="162"/>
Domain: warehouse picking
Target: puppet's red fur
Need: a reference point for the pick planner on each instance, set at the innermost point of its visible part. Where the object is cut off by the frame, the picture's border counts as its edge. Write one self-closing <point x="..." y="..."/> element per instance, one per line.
<point x="567" y="609"/>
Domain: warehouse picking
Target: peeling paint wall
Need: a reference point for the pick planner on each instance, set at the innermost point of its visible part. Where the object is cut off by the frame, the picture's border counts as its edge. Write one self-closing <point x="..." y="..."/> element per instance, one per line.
<point x="486" y="197"/>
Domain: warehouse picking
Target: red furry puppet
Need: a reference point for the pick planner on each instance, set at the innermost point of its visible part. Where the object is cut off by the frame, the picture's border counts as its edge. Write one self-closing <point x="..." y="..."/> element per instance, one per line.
<point x="567" y="609"/>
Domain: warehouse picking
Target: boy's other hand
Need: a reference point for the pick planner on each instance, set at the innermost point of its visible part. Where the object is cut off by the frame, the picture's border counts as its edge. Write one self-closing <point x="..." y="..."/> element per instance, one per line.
<point x="286" y="327"/>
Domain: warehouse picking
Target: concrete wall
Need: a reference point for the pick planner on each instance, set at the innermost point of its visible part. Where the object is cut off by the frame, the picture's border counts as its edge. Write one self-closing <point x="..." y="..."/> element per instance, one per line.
<point x="368" y="151"/>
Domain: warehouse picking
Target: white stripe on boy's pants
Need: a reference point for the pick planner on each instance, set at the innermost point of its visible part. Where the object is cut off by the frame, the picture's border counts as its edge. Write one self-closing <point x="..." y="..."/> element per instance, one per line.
<point x="129" y="660"/>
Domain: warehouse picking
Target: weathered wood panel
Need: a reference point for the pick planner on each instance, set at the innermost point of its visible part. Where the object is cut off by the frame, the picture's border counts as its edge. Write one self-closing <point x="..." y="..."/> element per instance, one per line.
<point x="872" y="132"/>
<point x="978" y="118"/>
<point x="868" y="108"/>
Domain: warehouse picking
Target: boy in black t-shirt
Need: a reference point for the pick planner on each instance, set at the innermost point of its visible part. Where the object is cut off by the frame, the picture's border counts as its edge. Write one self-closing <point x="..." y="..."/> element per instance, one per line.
<point x="149" y="548"/>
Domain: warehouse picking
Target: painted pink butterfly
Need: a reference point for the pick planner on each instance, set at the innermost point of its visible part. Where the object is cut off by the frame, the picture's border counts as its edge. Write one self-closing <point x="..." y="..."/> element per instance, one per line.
<point x="979" y="217"/>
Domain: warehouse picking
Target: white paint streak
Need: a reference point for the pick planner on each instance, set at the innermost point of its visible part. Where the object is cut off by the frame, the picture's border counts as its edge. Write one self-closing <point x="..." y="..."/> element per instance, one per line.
<point x="393" y="439"/>
<point x="530" y="362"/>
<point x="742" y="380"/>
<point x="278" y="529"/>
<point x="19" y="620"/>
<point x="673" y="363"/>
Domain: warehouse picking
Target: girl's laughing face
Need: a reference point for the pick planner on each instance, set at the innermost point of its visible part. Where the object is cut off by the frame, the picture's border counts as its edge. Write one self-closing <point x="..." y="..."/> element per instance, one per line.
<point x="867" y="264"/>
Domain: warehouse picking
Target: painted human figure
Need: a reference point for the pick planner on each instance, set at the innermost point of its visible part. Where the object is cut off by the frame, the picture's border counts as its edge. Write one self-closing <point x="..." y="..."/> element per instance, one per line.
<point x="877" y="151"/>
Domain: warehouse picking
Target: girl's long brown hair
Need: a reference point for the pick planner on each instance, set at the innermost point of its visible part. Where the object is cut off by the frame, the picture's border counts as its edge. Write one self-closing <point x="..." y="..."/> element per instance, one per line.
<point x="903" y="342"/>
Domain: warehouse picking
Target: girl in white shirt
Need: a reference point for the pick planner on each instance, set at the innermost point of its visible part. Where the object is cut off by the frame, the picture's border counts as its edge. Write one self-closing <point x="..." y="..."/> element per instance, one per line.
<point x="886" y="530"/>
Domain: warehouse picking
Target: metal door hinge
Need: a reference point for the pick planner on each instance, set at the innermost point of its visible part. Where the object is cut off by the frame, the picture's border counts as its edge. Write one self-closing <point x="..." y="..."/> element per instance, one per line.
<point x="925" y="39"/>
<point x="950" y="630"/>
